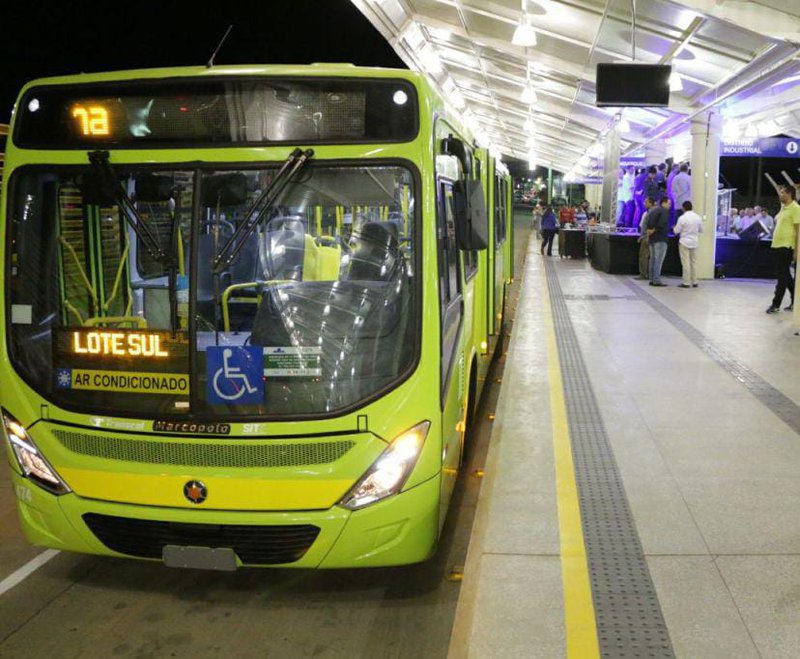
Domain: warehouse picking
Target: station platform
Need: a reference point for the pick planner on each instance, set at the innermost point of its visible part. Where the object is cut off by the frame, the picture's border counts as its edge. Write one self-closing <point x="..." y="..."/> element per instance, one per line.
<point x="642" y="486"/>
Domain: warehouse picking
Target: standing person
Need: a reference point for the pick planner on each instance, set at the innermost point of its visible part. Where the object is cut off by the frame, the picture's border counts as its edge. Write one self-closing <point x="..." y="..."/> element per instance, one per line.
<point x="673" y="172"/>
<point x="689" y="227"/>
<point x="657" y="228"/>
<point x="733" y="217"/>
<point x="537" y="218"/>
<point x="644" y="247"/>
<point x="674" y="207"/>
<point x="651" y="187"/>
<point x="784" y="240"/>
<point x="549" y="230"/>
<point x="630" y="204"/>
<point x="625" y="196"/>
<point x="746" y="220"/>
<point x="582" y="214"/>
<point x="639" y="196"/>
<point x="767" y="220"/>
<point x="661" y="173"/>
<point x="563" y="215"/>
<point x="682" y="186"/>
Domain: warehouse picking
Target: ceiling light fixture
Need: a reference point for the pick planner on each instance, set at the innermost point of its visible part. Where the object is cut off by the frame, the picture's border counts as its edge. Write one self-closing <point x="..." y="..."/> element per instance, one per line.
<point x="675" y="82"/>
<point x="524" y="35"/>
<point x="528" y="94"/>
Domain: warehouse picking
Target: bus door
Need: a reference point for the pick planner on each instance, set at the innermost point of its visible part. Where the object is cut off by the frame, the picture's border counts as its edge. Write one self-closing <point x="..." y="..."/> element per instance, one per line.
<point x="451" y="307"/>
<point x="499" y="250"/>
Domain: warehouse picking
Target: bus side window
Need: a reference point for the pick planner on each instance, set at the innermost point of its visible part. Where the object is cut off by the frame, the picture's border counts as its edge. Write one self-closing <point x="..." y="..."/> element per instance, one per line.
<point x="500" y="211"/>
<point x="449" y="276"/>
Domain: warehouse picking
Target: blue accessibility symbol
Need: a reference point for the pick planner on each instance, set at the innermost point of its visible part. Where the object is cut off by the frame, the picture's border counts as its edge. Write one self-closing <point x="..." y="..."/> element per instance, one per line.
<point x="235" y="375"/>
<point x="63" y="378"/>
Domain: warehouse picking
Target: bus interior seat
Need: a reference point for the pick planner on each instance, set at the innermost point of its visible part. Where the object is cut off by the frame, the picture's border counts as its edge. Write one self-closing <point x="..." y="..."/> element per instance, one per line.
<point x="206" y="249"/>
<point x="244" y="266"/>
<point x="284" y="247"/>
<point x="321" y="262"/>
<point x="375" y="252"/>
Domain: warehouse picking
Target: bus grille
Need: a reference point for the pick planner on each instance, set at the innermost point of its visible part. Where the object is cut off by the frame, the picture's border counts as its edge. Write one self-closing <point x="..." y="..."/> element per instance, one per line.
<point x="254" y="545"/>
<point x="202" y="454"/>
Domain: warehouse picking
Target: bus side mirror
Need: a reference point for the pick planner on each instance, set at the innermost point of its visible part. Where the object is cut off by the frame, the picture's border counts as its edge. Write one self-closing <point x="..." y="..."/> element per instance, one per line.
<point x="452" y="146"/>
<point x="472" y="221"/>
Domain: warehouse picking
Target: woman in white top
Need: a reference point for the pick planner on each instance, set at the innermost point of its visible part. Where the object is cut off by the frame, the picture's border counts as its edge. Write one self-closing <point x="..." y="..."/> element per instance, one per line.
<point x="689" y="227"/>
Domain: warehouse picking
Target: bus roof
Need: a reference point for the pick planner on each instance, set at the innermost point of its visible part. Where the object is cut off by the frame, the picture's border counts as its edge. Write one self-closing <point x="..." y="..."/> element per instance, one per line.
<point x="317" y="69"/>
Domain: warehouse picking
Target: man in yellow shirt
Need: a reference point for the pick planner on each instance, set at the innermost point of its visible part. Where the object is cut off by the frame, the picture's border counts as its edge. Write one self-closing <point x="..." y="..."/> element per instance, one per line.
<point x="784" y="240"/>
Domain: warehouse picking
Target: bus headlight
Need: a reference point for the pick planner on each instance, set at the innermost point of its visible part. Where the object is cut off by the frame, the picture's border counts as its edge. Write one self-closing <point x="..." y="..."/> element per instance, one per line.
<point x="30" y="461"/>
<point x="390" y="471"/>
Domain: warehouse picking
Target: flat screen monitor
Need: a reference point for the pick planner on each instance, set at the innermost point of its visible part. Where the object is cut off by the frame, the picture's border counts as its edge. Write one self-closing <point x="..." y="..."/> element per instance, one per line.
<point x="637" y="85"/>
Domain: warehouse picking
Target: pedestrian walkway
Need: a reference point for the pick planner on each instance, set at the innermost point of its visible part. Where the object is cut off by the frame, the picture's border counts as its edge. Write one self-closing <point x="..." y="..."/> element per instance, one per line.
<point x="642" y="492"/>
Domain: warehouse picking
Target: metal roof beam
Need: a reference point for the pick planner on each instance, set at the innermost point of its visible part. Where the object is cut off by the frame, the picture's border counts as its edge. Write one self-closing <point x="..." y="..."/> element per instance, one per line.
<point x="757" y="16"/>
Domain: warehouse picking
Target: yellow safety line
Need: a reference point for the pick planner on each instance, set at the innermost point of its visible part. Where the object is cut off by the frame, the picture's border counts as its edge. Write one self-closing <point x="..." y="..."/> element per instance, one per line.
<point x="579" y="620"/>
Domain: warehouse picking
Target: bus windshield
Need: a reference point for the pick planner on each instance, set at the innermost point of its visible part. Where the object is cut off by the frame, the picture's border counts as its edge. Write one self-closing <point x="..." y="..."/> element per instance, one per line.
<point x="312" y="310"/>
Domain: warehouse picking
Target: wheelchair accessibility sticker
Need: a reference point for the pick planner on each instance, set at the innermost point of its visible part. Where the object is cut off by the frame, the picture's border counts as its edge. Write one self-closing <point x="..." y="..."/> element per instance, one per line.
<point x="235" y="375"/>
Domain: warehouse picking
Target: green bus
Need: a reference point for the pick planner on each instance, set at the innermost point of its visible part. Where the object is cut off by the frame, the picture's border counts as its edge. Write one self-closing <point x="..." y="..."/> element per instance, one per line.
<point x="247" y="312"/>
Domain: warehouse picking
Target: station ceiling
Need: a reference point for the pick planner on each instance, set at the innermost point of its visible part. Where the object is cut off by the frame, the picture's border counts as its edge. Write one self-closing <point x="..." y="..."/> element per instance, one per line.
<point x="752" y="73"/>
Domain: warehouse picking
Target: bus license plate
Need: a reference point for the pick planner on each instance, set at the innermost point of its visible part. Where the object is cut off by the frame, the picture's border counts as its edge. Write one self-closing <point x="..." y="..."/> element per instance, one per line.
<point x="200" y="558"/>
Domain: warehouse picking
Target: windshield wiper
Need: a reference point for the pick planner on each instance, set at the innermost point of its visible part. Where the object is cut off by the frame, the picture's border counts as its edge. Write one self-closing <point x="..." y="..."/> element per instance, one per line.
<point x="110" y="185"/>
<point x="294" y="163"/>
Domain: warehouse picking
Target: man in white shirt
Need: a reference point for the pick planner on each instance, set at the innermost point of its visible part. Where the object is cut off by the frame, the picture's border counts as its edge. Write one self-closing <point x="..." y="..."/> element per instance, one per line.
<point x="625" y="198"/>
<point x="689" y="227"/>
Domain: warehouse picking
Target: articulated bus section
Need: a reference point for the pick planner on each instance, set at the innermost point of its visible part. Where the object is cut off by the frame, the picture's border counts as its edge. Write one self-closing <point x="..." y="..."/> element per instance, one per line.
<point x="248" y="313"/>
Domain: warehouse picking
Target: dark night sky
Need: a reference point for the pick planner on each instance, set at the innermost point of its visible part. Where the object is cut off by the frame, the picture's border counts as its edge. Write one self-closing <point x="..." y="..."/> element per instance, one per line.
<point x="43" y="38"/>
<point x="56" y="37"/>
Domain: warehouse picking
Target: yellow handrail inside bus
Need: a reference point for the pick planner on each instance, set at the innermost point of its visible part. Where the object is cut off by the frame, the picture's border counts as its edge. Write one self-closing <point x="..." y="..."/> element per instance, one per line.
<point x="81" y="271"/>
<point x="226" y="317"/>
<point x="118" y="278"/>
<point x="181" y="257"/>
<point x="75" y="312"/>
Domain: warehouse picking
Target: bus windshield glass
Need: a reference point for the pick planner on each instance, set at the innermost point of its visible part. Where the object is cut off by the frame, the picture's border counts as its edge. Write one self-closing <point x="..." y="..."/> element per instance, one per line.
<point x="217" y="112"/>
<point x="312" y="310"/>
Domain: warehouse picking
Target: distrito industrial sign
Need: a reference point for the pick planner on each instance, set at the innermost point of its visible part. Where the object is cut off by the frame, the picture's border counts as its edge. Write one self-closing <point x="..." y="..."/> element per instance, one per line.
<point x="765" y="147"/>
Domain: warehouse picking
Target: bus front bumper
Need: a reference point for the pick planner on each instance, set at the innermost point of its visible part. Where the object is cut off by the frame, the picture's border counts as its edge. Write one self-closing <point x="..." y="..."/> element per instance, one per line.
<point x="400" y="530"/>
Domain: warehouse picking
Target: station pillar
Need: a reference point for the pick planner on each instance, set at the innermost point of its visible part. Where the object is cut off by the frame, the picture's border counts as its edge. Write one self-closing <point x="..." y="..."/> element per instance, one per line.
<point x="706" y="131"/>
<point x="610" y="177"/>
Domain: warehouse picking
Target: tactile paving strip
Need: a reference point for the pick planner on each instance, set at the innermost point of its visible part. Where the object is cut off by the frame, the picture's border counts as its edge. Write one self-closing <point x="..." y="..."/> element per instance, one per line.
<point x="627" y="611"/>
<point x="778" y="403"/>
<point x="594" y="297"/>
